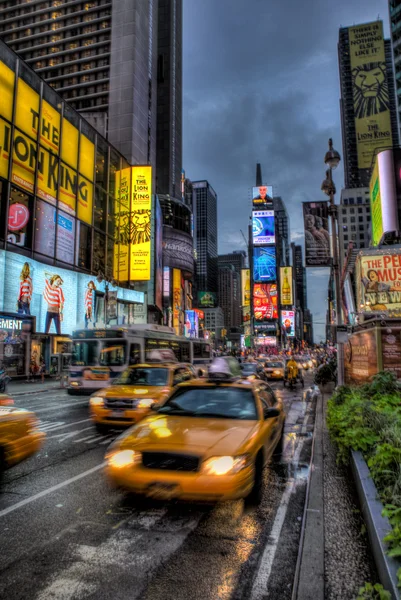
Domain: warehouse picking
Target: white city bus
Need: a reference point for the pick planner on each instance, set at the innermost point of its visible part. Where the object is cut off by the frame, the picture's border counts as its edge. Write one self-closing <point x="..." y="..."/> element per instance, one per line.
<point x="100" y="355"/>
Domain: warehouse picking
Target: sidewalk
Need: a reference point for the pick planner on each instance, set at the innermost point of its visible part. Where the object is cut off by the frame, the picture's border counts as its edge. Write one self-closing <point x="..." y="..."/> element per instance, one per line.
<point x="22" y="387"/>
<point x="336" y="555"/>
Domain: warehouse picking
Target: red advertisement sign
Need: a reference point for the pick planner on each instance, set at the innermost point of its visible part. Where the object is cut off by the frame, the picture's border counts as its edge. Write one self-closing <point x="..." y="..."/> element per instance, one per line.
<point x="265" y="301"/>
<point x="18" y="216"/>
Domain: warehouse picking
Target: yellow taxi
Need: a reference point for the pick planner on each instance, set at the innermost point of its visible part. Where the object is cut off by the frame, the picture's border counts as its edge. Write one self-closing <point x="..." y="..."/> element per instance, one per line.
<point x="133" y="394"/>
<point x="19" y="434"/>
<point x="274" y="369"/>
<point x="209" y="441"/>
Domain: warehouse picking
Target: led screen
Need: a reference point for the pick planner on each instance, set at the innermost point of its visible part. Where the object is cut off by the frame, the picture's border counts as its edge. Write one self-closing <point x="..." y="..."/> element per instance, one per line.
<point x="265" y="301"/>
<point x="288" y="322"/>
<point x="263" y="227"/>
<point x="264" y="264"/>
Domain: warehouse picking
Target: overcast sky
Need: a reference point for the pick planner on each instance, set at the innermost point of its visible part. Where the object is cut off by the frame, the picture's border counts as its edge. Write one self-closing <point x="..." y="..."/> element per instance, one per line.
<point x="261" y="85"/>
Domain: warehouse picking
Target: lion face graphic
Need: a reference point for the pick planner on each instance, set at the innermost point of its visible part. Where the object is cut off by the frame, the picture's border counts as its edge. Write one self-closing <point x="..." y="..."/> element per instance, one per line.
<point x="370" y="90"/>
<point x="134" y="227"/>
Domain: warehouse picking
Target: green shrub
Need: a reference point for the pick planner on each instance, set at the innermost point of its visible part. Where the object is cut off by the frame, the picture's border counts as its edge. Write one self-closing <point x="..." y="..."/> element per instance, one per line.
<point x="373" y="592"/>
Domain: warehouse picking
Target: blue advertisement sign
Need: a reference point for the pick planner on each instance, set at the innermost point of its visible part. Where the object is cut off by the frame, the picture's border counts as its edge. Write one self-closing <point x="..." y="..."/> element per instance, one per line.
<point x="264" y="264"/>
<point x="263" y="227"/>
<point x="191" y="324"/>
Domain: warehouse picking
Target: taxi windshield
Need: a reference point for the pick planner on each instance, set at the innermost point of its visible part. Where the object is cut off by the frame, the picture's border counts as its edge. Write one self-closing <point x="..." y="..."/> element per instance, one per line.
<point x="276" y="365"/>
<point x="249" y="367"/>
<point x="143" y="376"/>
<point x="215" y="402"/>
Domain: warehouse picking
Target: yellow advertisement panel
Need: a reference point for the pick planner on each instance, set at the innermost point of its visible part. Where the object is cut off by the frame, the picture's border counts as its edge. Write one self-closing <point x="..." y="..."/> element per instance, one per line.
<point x="50" y="127"/>
<point x="122" y="215"/>
<point x="370" y="91"/>
<point x="24" y="161"/>
<point x="85" y="200"/>
<point x="286" y="287"/>
<point x="141" y="207"/>
<point x="27" y="109"/>
<point x="46" y="184"/>
<point x="69" y="144"/>
<point x="86" y="157"/>
<point x="5" y="139"/>
<point x="67" y="195"/>
<point x="378" y="283"/>
<point x="245" y="287"/>
<point x="7" y="81"/>
<point x="176" y="299"/>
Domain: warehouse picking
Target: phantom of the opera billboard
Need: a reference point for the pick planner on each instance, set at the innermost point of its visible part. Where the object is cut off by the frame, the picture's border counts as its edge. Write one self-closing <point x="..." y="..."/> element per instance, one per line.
<point x="378" y="282"/>
<point x="263" y="227"/>
<point x="370" y="91"/>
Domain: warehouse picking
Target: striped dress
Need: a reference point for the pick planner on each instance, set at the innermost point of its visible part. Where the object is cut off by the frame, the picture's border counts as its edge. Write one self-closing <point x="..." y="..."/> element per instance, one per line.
<point x="88" y="301"/>
<point x="54" y="298"/>
<point x="25" y="289"/>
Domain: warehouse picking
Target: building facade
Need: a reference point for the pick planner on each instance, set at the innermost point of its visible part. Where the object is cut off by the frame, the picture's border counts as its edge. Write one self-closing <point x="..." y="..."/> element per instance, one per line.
<point x="283" y="235"/>
<point x="214" y="324"/>
<point x="356" y="177"/>
<point x="395" y="28"/>
<point x="229" y="296"/>
<point x="354" y="220"/>
<point x="64" y="245"/>
<point x="236" y="259"/>
<point x="206" y="236"/>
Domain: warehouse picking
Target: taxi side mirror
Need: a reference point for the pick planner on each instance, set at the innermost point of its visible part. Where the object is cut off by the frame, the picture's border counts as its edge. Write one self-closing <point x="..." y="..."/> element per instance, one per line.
<point x="271" y="413"/>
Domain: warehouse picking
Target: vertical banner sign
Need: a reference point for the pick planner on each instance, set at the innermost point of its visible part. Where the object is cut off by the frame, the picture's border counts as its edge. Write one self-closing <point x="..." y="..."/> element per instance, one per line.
<point x="7" y="81"/>
<point x="246" y="287"/>
<point x="176" y="299"/>
<point x="85" y="185"/>
<point x="317" y="236"/>
<point x="376" y="205"/>
<point x="370" y="91"/>
<point x="123" y="224"/>
<point x="141" y="207"/>
<point x="286" y="289"/>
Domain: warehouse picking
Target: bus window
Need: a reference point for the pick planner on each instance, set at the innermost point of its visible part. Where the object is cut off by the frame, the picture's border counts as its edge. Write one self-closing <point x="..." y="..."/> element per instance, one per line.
<point x="112" y="354"/>
<point x="134" y="354"/>
<point x="85" y="354"/>
<point x="201" y="350"/>
<point x="184" y="350"/>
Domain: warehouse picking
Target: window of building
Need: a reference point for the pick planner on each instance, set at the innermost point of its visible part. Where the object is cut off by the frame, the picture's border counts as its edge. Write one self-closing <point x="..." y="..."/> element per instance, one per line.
<point x="352" y="211"/>
<point x="84" y="236"/>
<point x="368" y="218"/>
<point x="99" y="252"/>
<point x="345" y="200"/>
<point x="351" y="200"/>
<point x="359" y="200"/>
<point x="353" y="227"/>
<point x="352" y="219"/>
<point x="100" y="209"/>
<point x="360" y="219"/>
<point x="360" y="210"/>
<point x="344" y="211"/>
<point x="20" y="219"/>
<point x="361" y="228"/>
<point x="346" y="236"/>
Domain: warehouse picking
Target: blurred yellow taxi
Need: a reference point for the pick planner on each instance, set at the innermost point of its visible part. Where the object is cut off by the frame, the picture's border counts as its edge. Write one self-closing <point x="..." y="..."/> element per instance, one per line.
<point x="19" y="434"/>
<point x="209" y="441"/>
<point x="274" y="369"/>
<point x="133" y="394"/>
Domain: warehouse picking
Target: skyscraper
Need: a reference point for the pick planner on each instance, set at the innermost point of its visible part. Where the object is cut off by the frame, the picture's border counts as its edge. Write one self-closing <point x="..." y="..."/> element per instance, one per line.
<point x="282" y="231"/>
<point x="229" y="295"/>
<point x="237" y="259"/>
<point x="395" y="21"/>
<point x="169" y="98"/>
<point x="367" y="123"/>
<point x="206" y="236"/>
<point x="353" y="220"/>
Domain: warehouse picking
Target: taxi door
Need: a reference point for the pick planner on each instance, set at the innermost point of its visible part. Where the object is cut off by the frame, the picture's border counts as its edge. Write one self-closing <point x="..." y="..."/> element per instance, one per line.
<point x="271" y="427"/>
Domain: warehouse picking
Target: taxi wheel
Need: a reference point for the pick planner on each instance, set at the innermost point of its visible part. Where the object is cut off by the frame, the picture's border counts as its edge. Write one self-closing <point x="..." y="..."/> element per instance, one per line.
<point x="256" y="494"/>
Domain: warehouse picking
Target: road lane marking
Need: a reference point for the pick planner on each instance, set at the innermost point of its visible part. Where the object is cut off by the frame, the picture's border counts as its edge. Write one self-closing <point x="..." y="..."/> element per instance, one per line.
<point x="259" y="588"/>
<point x="48" y="426"/>
<point x="50" y="490"/>
<point x="66" y="436"/>
<point x="59" y="407"/>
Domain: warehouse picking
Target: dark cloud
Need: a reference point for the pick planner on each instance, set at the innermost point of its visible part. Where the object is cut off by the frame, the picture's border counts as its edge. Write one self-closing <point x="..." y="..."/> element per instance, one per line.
<point x="261" y="85"/>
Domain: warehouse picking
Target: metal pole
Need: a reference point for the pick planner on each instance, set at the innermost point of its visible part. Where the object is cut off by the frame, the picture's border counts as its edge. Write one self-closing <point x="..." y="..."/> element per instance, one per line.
<point x="333" y="216"/>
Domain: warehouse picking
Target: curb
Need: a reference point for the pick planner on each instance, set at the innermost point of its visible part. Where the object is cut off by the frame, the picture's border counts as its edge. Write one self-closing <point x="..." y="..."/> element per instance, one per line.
<point x="377" y="525"/>
<point x="38" y="391"/>
<point x="309" y="581"/>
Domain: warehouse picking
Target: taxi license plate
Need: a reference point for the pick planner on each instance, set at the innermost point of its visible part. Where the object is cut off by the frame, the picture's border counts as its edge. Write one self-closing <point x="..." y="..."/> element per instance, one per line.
<point x="164" y="491"/>
<point x="117" y="413"/>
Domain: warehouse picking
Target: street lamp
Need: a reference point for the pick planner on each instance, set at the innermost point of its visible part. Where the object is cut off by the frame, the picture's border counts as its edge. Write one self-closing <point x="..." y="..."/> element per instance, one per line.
<point x="332" y="160"/>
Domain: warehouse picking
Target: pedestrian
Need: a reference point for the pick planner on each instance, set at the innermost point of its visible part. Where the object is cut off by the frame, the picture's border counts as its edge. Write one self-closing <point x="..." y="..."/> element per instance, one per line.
<point x="42" y="369"/>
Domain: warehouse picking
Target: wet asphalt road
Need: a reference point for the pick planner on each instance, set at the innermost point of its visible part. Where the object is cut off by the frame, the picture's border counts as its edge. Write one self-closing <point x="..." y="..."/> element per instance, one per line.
<point x="65" y="535"/>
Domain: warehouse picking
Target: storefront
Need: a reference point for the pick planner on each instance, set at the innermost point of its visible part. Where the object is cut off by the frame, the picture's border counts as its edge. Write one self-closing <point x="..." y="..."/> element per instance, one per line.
<point x="14" y="343"/>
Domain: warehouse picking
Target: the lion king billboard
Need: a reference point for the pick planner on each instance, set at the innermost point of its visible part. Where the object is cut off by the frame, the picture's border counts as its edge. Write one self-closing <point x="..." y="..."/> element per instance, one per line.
<point x="370" y="91"/>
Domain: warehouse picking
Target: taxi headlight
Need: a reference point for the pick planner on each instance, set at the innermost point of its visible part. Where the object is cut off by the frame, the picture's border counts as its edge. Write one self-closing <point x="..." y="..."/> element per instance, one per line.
<point x="225" y="465"/>
<point x="276" y="372"/>
<point x="123" y="458"/>
<point x="97" y="401"/>
<point x="144" y="403"/>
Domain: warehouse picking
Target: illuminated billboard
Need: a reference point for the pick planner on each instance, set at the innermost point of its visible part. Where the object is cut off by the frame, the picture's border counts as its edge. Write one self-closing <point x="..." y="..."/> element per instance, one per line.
<point x="191" y="324"/>
<point x="141" y="207"/>
<point x="263" y="227"/>
<point x="286" y="286"/>
<point x="265" y="301"/>
<point x="262" y="194"/>
<point x="264" y="264"/>
<point x="370" y="91"/>
<point x="288" y="322"/>
<point x="245" y="287"/>
<point x="207" y="299"/>
<point x="383" y="196"/>
<point x="378" y="282"/>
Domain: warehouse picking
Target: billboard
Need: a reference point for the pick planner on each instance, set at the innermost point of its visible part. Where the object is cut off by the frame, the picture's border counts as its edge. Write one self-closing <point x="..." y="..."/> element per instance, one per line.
<point x="263" y="227"/>
<point x="176" y="300"/>
<point x="245" y="287"/>
<point x="207" y="299"/>
<point x="370" y="91"/>
<point x="191" y="324"/>
<point x="262" y="194"/>
<point x="361" y="357"/>
<point x="141" y="208"/>
<point x="383" y="196"/>
<point x="288" y="322"/>
<point x="317" y="236"/>
<point x="265" y="301"/>
<point x="286" y="286"/>
<point x="264" y="264"/>
<point x="265" y="341"/>
<point x="122" y="235"/>
<point x="378" y="282"/>
<point x="62" y="300"/>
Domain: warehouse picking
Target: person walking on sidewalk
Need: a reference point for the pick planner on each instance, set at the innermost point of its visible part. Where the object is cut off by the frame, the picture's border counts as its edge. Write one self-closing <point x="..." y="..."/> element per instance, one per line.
<point x="42" y="369"/>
